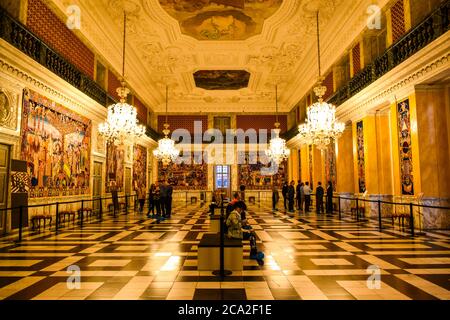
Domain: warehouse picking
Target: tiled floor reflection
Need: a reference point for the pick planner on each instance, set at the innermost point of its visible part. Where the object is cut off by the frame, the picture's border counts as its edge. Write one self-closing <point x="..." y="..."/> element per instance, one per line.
<point x="306" y="257"/>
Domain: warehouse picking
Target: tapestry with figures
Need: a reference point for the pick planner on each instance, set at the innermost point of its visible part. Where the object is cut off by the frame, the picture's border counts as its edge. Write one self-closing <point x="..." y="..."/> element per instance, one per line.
<point x="56" y="144"/>
<point x="361" y="157"/>
<point x="255" y="175"/>
<point x="139" y="167"/>
<point x="404" y="136"/>
<point x="191" y="174"/>
<point x="115" y="166"/>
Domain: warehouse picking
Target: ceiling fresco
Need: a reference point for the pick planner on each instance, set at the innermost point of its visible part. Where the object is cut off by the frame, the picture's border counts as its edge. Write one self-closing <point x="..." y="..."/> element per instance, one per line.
<point x="221" y="19"/>
<point x="221" y="79"/>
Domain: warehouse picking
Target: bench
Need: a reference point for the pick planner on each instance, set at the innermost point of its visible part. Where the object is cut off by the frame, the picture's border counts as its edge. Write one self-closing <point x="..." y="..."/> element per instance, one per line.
<point x="87" y="211"/>
<point x="66" y="214"/>
<point x="214" y="225"/>
<point x="209" y="253"/>
<point x="193" y="200"/>
<point x="111" y="206"/>
<point x="36" y="221"/>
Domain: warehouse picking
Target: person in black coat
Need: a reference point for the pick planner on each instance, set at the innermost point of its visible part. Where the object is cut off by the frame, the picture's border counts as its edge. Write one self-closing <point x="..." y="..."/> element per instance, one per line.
<point x="298" y="194"/>
<point x="329" y="205"/>
<point x="284" y="192"/>
<point x="319" y="198"/>
<point x="291" y="195"/>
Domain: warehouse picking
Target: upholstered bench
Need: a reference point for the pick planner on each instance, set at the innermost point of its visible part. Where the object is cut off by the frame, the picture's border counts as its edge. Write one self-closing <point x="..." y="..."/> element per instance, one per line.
<point x="214" y="224"/>
<point x="66" y="214"/>
<point x="87" y="211"/>
<point x="36" y="221"/>
<point x="209" y="253"/>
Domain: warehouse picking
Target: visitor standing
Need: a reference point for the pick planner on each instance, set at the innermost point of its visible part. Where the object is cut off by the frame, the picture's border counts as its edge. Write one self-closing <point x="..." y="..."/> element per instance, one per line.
<point x="329" y="205"/>
<point x="319" y="197"/>
<point x="163" y="194"/>
<point x="284" y="192"/>
<point x="169" y="200"/>
<point x="151" y="200"/>
<point x="275" y="197"/>
<point x="157" y="201"/>
<point x="307" y="192"/>
<point x="302" y="196"/>
<point x="297" y="194"/>
<point x="291" y="195"/>
<point x="141" y="197"/>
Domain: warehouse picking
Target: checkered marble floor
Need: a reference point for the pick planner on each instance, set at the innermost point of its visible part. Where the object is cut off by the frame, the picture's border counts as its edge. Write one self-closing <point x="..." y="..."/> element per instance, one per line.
<point x="306" y="257"/>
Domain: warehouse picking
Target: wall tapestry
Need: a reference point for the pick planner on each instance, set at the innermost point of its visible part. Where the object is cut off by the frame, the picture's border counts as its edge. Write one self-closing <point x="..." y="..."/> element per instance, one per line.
<point x="361" y="159"/>
<point x="404" y="139"/>
<point x="330" y="165"/>
<point x="185" y="176"/>
<point x="250" y="175"/>
<point x="115" y="163"/>
<point x="139" y="167"/>
<point x="56" y="144"/>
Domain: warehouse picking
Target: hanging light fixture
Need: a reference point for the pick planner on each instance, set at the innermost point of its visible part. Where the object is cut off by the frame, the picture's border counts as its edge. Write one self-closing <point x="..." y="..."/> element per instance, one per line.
<point x="166" y="151"/>
<point x="121" y="123"/>
<point x="277" y="151"/>
<point x="321" y="126"/>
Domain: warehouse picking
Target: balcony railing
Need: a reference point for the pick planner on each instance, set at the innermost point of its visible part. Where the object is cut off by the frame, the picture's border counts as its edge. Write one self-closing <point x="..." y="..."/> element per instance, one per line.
<point x="435" y="25"/>
<point x="27" y="42"/>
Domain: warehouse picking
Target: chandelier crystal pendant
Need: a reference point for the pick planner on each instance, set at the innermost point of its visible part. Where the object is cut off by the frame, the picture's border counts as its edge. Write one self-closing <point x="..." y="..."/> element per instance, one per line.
<point x="277" y="151"/>
<point x="321" y="126"/>
<point x="121" y="123"/>
<point x="166" y="151"/>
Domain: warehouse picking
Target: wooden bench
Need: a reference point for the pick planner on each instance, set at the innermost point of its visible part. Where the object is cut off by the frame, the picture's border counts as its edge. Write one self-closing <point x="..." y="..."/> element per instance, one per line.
<point x="66" y="214"/>
<point x="209" y="253"/>
<point x="36" y="221"/>
<point x="87" y="211"/>
<point x="193" y="200"/>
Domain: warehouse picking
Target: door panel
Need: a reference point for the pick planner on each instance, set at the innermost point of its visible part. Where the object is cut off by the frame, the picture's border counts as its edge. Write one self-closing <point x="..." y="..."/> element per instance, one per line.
<point x="4" y="178"/>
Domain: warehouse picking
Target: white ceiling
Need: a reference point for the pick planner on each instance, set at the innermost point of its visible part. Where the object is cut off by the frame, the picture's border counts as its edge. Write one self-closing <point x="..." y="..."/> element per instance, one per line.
<point x="159" y="54"/>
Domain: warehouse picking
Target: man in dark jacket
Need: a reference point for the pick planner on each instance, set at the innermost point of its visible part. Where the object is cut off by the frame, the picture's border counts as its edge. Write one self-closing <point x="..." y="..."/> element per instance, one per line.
<point x="298" y="194"/>
<point x="163" y="195"/>
<point x="329" y="198"/>
<point x="284" y="192"/>
<point x="319" y="198"/>
<point x="291" y="195"/>
<point x="169" y="201"/>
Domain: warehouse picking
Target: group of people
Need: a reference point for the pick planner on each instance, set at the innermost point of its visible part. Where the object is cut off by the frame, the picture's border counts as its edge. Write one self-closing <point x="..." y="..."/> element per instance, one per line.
<point x="159" y="200"/>
<point x="300" y="197"/>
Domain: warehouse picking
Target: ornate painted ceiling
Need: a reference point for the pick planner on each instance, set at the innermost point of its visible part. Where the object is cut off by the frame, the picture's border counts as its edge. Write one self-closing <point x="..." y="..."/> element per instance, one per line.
<point x="170" y="41"/>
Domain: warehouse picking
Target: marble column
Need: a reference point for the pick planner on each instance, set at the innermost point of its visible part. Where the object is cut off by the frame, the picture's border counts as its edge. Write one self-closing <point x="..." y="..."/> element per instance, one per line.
<point x="344" y="167"/>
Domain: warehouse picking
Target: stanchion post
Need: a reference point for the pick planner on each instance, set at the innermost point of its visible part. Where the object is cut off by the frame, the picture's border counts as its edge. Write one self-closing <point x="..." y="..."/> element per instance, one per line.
<point x="57" y="217"/>
<point x="82" y="213"/>
<point x="357" y="209"/>
<point x="339" y="207"/>
<point x="100" y="213"/>
<point x="379" y="214"/>
<point x="20" y="223"/>
<point x="411" y="218"/>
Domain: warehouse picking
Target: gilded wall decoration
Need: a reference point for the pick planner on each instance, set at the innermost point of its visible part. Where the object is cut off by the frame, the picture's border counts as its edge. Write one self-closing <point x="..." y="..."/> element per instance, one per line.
<point x="56" y="143"/>
<point x="185" y="176"/>
<point x="139" y="167"/>
<point x="404" y="139"/>
<point x="310" y="161"/>
<point x="221" y="19"/>
<point x="8" y="114"/>
<point x="250" y="173"/>
<point x="115" y="164"/>
<point x="361" y="156"/>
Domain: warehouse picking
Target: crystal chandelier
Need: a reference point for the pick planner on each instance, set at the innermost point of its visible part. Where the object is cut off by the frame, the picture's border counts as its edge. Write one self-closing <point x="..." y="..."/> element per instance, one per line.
<point x="166" y="151"/>
<point x="121" y="123"/>
<point x="321" y="126"/>
<point x="277" y="151"/>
